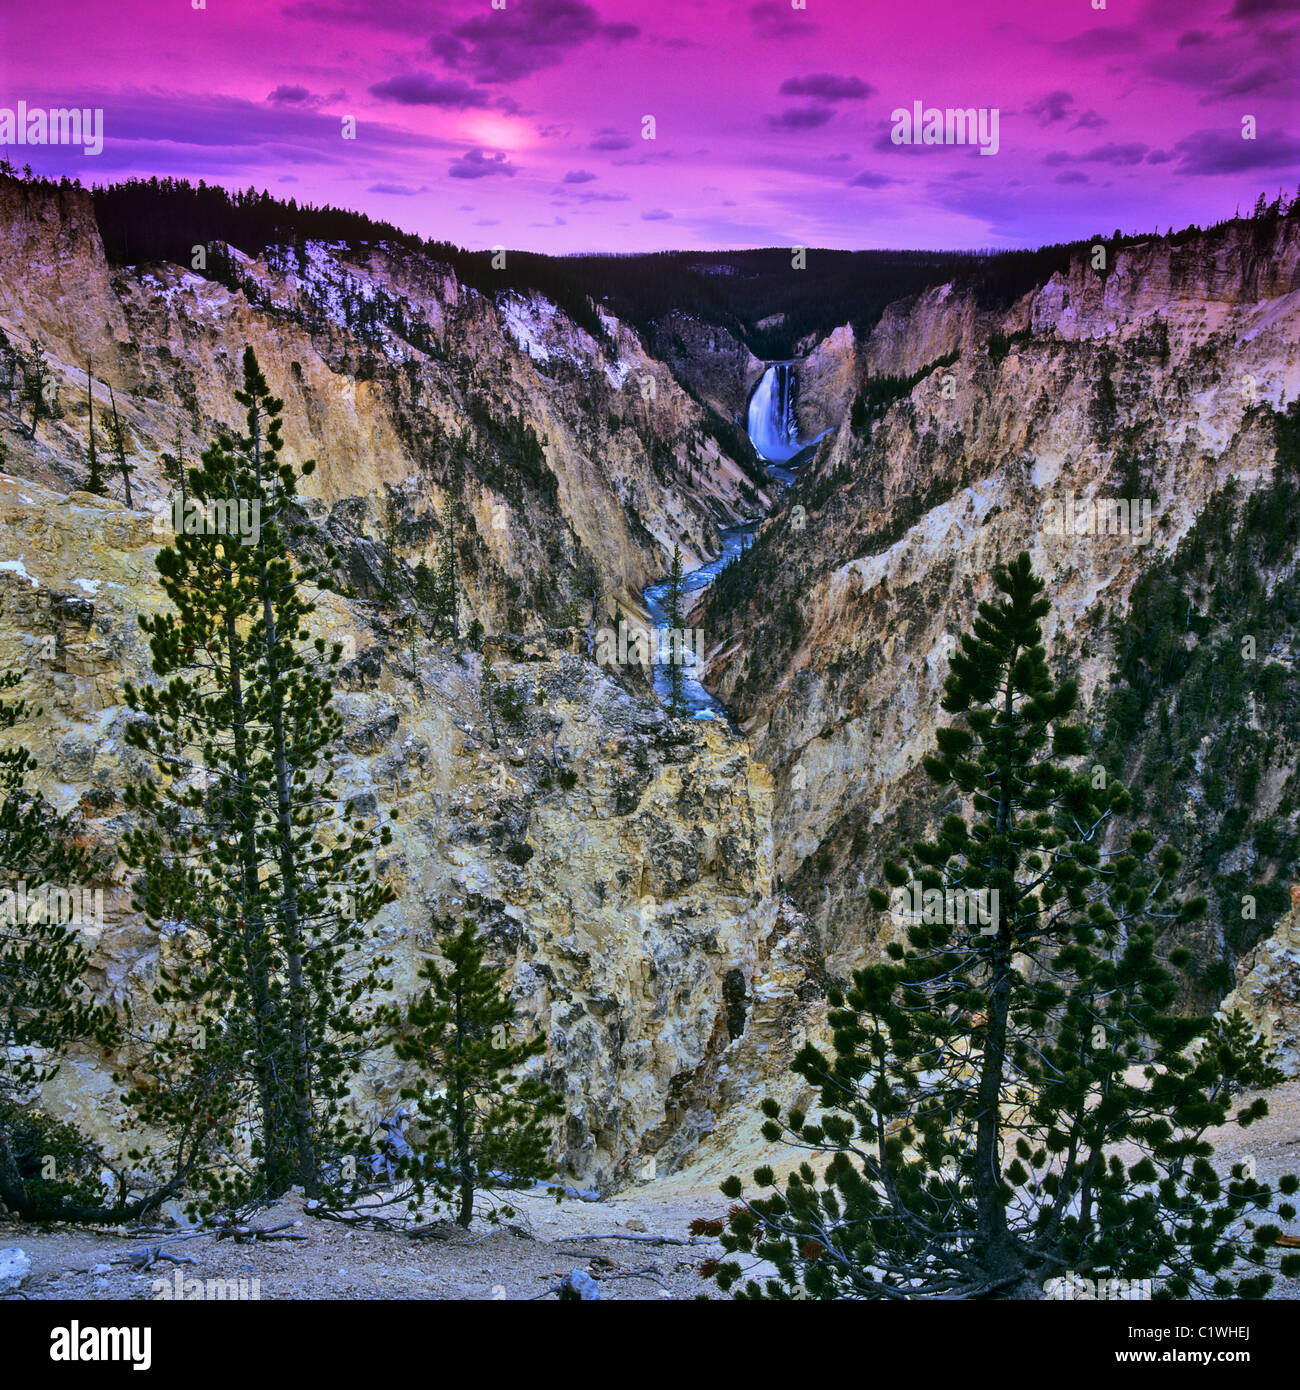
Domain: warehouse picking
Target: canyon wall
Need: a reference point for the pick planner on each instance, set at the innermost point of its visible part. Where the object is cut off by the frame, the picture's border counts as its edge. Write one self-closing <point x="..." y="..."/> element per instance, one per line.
<point x="1156" y="379"/>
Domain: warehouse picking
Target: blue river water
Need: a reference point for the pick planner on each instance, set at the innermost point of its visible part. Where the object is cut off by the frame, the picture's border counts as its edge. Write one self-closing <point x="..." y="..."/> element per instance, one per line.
<point x="700" y="703"/>
<point x="773" y="431"/>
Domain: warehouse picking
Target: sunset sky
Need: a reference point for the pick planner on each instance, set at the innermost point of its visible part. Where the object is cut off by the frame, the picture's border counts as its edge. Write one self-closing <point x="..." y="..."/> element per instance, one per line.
<point x="522" y="126"/>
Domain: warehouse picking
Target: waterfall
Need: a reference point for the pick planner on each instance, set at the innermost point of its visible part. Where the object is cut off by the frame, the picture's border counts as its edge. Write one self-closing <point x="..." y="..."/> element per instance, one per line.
<point x="773" y="427"/>
<point x="785" y="393"/>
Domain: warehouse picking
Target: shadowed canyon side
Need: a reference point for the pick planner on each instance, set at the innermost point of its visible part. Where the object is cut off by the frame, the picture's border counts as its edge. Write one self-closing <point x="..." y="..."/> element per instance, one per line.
<point x="1168" y="377"/>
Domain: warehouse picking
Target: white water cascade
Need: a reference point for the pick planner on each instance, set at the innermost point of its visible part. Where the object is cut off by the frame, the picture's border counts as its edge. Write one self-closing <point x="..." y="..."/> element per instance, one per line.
<point x="773" y="426"/>
<point x="772" y="423"/>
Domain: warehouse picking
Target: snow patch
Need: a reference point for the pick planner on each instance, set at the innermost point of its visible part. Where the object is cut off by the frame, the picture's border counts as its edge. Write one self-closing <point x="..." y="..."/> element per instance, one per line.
<point x="616" y="373"/>
<point x="527" y="320"/>
<point x="1046" y="470"/>
<point x="17" y="567"/>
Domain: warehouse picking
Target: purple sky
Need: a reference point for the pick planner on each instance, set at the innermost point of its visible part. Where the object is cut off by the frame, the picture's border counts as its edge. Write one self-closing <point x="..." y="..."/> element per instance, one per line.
<point x="522" y="126"/>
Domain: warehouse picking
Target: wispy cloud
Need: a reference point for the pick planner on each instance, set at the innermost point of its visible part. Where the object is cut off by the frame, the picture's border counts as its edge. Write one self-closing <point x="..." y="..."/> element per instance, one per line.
<point x="826" y="86"/>
<point x="1224" y="152"/>
<point x="611" y="139"/>
<point x="868" y="179"/>
<point x="774" y="20"/>
<point x="801" y="118"/>
<point x="420" y="89"/>
<point x="1051" y="107"/>
<point x="1116" y="152"/>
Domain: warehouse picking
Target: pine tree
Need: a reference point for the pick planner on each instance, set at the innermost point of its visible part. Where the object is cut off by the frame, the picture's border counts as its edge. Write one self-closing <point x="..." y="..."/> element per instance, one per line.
<point x="242" y="846"/>
<point x="38" y="382"/>
<point x="676" y="638"/>
<point x="392" y="563"/>
<point x="45" y="1004"/>
<point x="481" y="1127"/>
<point x="983" y="1077"/>
<point x="424" y="584"/>
<point x="95" y="477"/>
<point x="117" y="442"/>
<point x="9" y="362"/>
<point x="446" y="595"/>
<point x="413" y="645"/>
<point x="173" y="467"/>
<point x="488" y="687"/>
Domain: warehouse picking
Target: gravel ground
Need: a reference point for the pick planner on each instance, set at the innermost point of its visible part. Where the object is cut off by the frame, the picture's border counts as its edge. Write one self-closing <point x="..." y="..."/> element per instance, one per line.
<point x="524" y="1259"/>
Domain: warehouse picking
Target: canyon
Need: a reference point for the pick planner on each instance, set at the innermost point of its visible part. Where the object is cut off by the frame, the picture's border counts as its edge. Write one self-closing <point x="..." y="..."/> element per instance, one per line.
<point x="671" y="900"/>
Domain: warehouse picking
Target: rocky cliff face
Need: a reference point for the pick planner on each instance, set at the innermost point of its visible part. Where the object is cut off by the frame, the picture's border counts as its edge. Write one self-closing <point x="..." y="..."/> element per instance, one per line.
<point x="634" y="905"/>
<point x="622" y="869"/>
<point x="831" y="639"/>
<point x="1268" y="989"/>
<point x="401" y="383"/>
<point x="712" y="362"/>
<point x="828" y="378"/>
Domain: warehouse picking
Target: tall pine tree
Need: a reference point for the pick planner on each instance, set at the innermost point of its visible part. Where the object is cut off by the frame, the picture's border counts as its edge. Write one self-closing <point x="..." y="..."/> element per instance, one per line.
<point x="174" y="467"/>
<point x="446" y="590"/>
<point x="246" y="855"/>
<point x="117" y="443"/>
<point x="488" y="692"/>
<point x="38" y="387"/>
<point x="1010" y="1101"/>
<point x="95" y="474"/>
<point x="392" y="580"/>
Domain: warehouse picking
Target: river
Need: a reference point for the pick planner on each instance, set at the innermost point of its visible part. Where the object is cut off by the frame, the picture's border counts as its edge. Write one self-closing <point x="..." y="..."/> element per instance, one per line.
<point x="773" y="431"/>
<point x="699" y="702"/>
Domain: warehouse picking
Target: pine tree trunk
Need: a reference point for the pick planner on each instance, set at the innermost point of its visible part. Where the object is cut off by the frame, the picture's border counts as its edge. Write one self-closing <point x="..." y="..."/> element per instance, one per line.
<point x="90" y="411"/>
<point x="254" y="941"/>
<point x="120" y="447"/>
<point x="304" y="1140"/>
<point x="13" y="1191"/>
<point x="460" y="1135"/>
<point x="993" y="1240"/>
<point x="466" y="1213"/>
<point x="992" y="1237"/>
